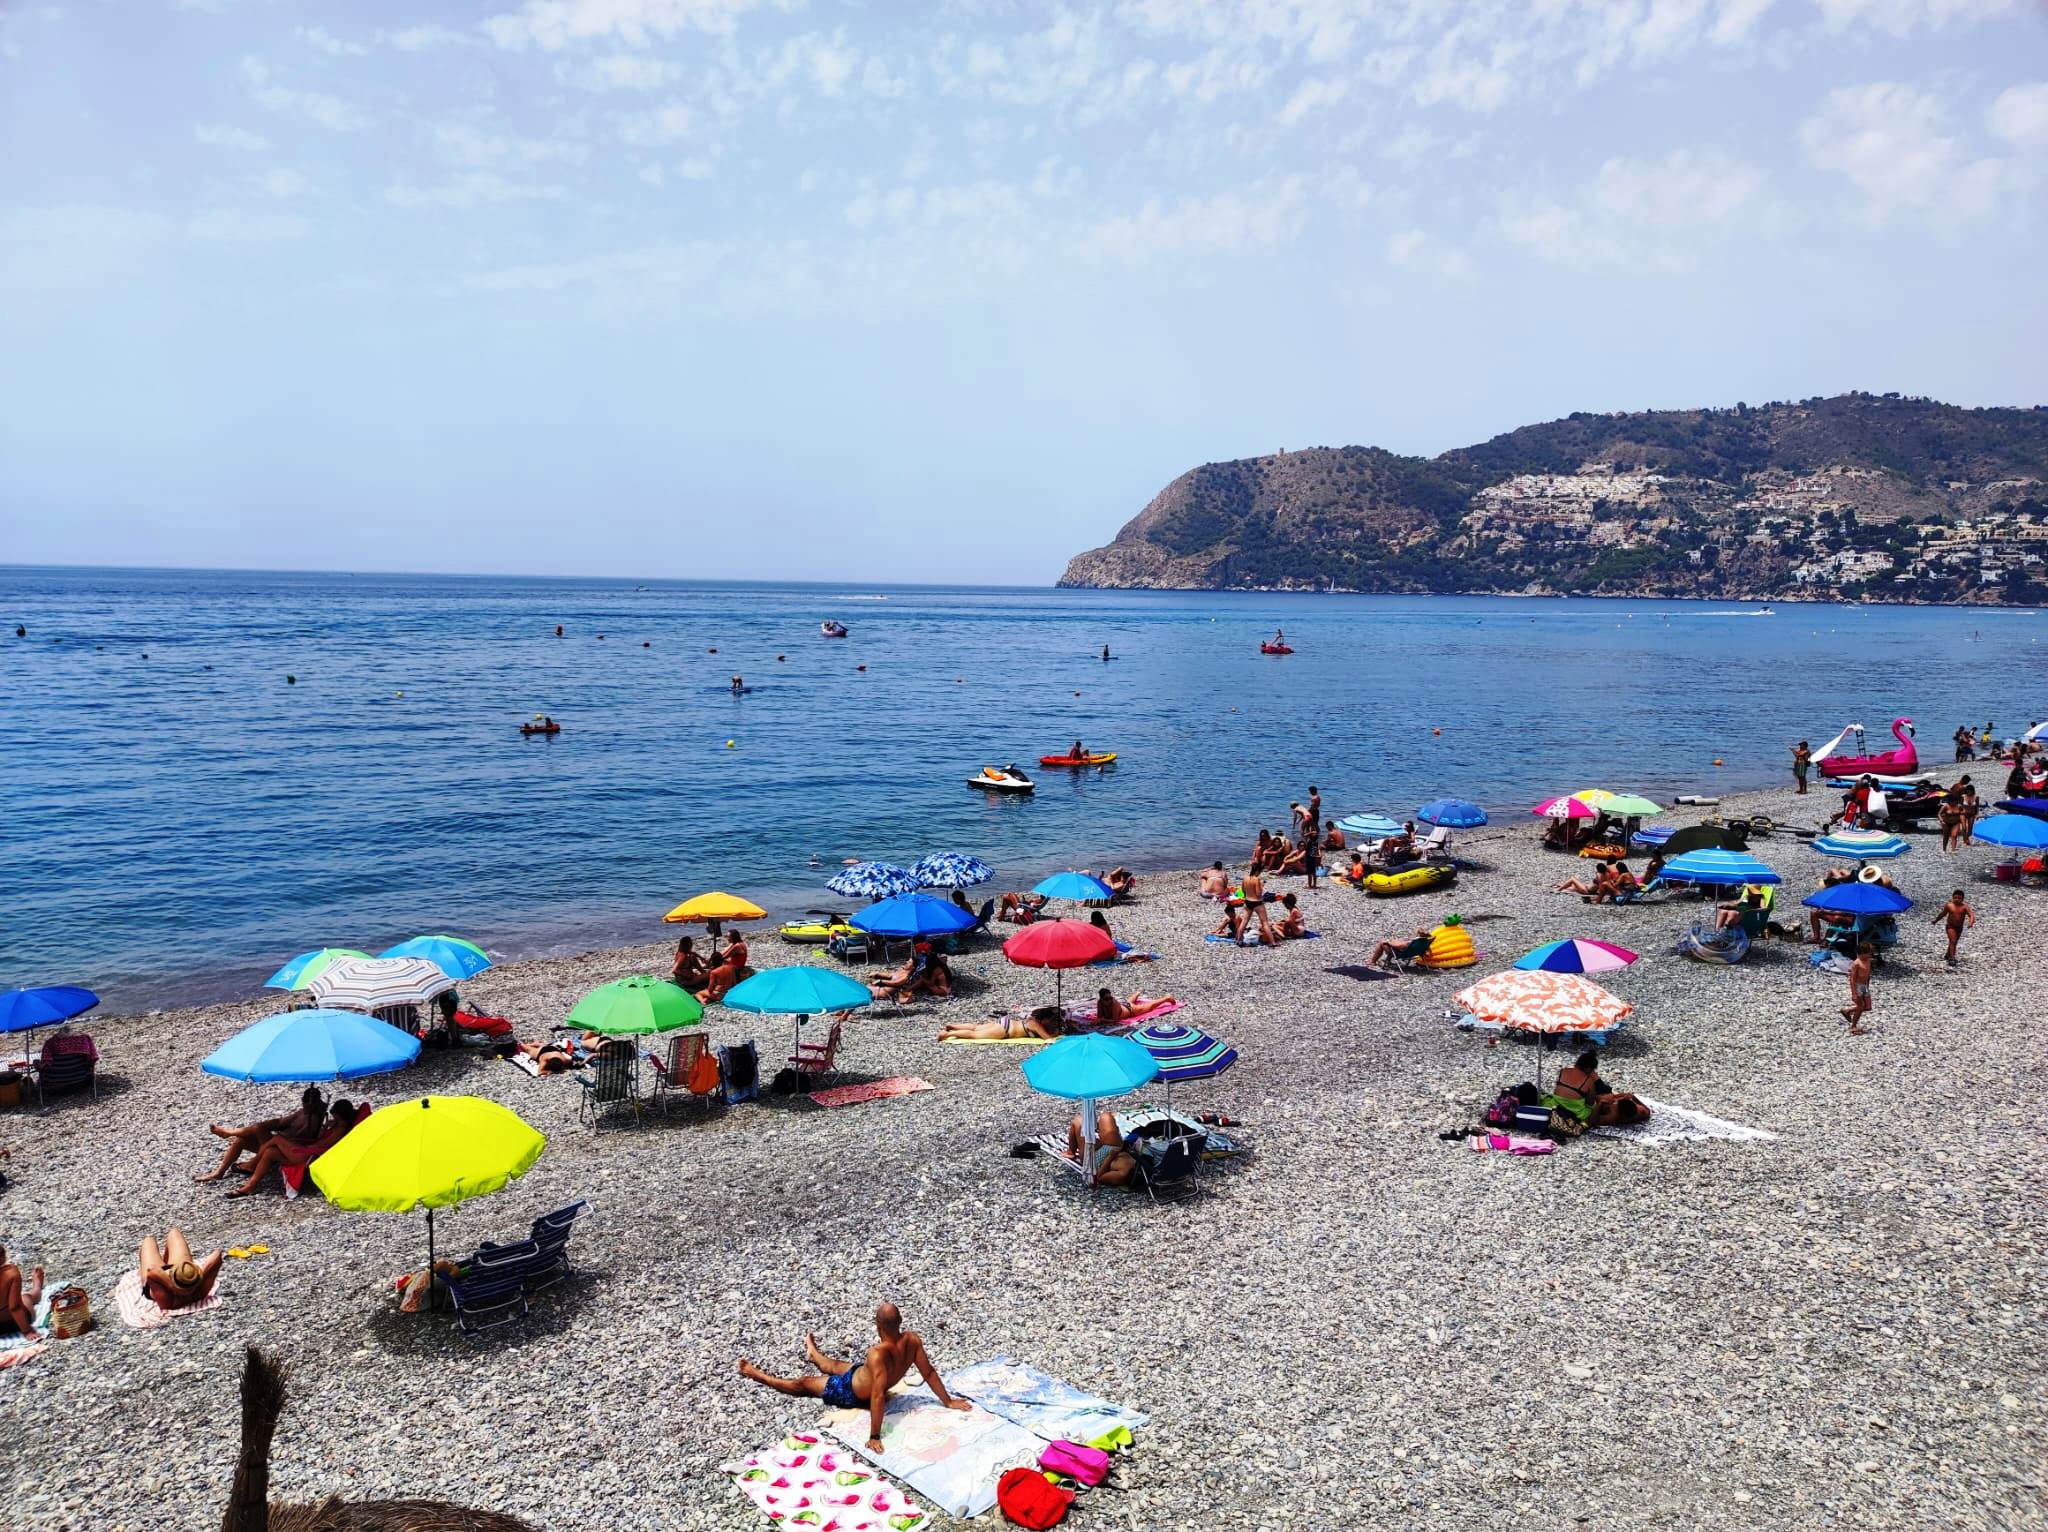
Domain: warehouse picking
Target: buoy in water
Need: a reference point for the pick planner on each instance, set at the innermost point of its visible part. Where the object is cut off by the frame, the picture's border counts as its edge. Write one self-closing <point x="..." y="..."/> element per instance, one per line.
<point x="401" y="694"/>
<point x="1436" y="731"/>
<point x="778" y="659"/>
<point x="646" y="644"/>
<point x="711" y="651"/>
<point x="728" y="744"/>
<point x="860" y="667"/>
<point x="1717" y="760"/>
<point x="558" y="630"/>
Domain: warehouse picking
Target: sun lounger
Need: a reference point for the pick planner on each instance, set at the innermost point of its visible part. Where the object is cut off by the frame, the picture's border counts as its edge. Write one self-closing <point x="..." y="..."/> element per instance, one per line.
<point x="492" y="1287"/>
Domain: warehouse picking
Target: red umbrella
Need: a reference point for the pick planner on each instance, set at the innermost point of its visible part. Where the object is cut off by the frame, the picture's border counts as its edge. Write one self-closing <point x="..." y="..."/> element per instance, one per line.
<point x="1059" y="944"/>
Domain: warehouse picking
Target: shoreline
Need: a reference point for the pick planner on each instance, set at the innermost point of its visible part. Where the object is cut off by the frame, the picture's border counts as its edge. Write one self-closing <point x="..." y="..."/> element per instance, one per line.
<point x="1835" y="1325"/>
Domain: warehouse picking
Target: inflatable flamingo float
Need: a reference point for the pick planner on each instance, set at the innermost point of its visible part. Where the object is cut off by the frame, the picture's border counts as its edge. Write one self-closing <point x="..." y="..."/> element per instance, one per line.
<point x="1898" y="763"/>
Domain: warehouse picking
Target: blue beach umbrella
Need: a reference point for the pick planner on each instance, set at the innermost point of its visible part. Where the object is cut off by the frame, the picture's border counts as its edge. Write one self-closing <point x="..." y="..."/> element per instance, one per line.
<point x="951" y="869"/>
<point x="23" y="1010"/>
<point x="451" y="954"/>
<point x="308" y="966"/>
<point x="1074" y="885"/>
<point x="2022" y="832"/>
<point x="1713" y="865"/>
<point x="1453" y="813"/>
<point x="871" y="880"/>
<point x="1858" y="898"/>
<point x="799" y="991"/>
<point x="913" y="914"/>
<point x="2035" y="807"/>
<point x="1183" y="1053"/>
<point x="1085" y="1068"/>
<point x="1863" y="845"/>
<point x="302" y="1046"/>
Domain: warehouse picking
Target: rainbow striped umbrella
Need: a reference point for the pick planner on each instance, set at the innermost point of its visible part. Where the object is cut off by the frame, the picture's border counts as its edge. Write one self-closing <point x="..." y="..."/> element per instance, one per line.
<point x="1576" y="954"/>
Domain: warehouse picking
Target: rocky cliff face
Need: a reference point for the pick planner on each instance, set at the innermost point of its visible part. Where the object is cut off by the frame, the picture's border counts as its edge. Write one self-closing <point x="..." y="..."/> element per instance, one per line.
<point x="1853" y="496"/>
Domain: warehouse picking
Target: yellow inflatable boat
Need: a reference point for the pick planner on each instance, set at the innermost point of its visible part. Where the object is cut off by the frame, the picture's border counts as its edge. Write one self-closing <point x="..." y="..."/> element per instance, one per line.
<point x="1412" y="879"/>
<point x="812" y="933"/>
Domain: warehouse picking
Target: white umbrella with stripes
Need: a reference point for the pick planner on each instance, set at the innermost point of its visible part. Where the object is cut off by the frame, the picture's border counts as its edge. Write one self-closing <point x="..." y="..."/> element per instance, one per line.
<point x="375" y="984"/>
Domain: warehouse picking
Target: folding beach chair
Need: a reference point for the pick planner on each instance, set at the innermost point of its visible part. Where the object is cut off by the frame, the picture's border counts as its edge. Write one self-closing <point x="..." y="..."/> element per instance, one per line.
<point x="817" y="1058"/>
<point x="610" y="1081"/>
<point x="1170" y="1175"/>
<point x="493" y="1286"/>
<point x="689" y="1073"/>
<point x="69" y="1061"/>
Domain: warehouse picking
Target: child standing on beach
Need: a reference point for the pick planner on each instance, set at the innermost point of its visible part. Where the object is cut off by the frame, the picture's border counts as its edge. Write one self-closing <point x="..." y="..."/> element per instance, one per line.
<point x="1958" y="914"/>
<point x="1801" y="755"/>
<point x="1859" y="989"/>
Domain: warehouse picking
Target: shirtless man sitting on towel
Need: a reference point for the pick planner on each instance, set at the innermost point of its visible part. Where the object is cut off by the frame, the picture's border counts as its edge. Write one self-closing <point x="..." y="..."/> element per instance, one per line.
<point x="849" y="1385"/>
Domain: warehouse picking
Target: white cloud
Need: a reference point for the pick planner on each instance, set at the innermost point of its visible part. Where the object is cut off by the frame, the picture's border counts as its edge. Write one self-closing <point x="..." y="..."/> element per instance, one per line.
<point x="1738" y="18"/>
<point x="282" y="183"/>
<point x="2020" y="116"/>
<point x="1476" y="77"/>
<point x="1642" y="212"/>
<point x="622" y="71"/>
<point x="663" y="125"/>
<point x="1260" y="215"/>
<point x="683" y="266"/>
<point x="228" y="225"/>
<point x="316" y="106"/>
<point x="552" y="25"/>
<point x="474" y="190"/>
<point x="1889" y="140"/>
<point x="1311" y="95"/>
<point x="329" y="44"/>
<point x="419" y="39"/>
<point x="220" y="136"/>
<point x="1686" y="186"/>
<point x="1414" y="250"/>
<point x="468" y="145"/>
<point x="1900" y="17"/>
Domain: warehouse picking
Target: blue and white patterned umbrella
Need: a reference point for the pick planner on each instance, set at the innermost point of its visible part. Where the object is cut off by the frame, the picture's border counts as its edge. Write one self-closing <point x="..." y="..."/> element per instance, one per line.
<point x="1184" y="1053"/>
<point x="1713" y="866"/>
<point x="1873" y="845"/>
<point x="871" y="880"/>
<point x="1377" y="826"/>
<point x="951" y="869"/>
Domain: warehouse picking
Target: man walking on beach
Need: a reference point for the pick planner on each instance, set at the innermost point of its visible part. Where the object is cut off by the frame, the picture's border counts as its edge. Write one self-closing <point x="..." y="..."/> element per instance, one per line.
<point x="1859" y="989"/>
<point x="1801" y="756"/>
<point x="1957" y="913"/>
<point x="847" y="1385"/>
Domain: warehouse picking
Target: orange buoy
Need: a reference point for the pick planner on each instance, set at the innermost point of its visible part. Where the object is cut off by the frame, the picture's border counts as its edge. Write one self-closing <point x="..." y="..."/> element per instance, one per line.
<point x="1436" y="731"/>
<point x="1717" y="760"/>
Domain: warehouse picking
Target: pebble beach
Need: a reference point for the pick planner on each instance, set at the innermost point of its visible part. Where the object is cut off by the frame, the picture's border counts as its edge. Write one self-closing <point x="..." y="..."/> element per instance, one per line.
<point x="1364" y="1325"/>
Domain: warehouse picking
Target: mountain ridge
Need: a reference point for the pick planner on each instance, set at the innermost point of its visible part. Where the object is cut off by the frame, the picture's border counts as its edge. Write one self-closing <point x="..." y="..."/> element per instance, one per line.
<point x="1854" y="496"/>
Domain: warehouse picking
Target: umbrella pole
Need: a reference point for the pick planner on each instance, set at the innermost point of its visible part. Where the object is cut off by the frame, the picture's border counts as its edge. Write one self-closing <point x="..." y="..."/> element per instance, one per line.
<point x="1088" y="1141"/>
<point x="432" y="1295"/>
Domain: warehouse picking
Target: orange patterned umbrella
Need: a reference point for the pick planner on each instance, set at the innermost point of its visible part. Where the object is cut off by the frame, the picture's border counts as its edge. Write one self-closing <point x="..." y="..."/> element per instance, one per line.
<point x="1526" y="1001"/>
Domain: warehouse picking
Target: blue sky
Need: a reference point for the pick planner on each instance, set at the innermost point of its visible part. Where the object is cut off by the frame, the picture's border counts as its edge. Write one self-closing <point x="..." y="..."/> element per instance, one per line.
<point x="945" y="291"/>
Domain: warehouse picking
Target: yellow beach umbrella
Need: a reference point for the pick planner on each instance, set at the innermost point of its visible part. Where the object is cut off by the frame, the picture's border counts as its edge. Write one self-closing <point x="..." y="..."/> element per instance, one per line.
<point x="431" y="1153"/>
<point x="709" y="909"/>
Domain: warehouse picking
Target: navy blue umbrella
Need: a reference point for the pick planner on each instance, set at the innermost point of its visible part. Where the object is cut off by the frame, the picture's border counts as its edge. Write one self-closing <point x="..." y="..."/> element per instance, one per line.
<point x="1859" y="899"/>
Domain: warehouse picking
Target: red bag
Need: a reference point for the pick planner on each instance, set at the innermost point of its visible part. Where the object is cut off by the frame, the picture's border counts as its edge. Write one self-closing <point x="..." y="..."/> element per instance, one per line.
<point x="1028" y="1499"/>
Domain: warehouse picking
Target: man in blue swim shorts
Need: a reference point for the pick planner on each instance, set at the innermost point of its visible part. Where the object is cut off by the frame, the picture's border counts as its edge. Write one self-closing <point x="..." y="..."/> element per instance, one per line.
<point x="848" y="1385"/>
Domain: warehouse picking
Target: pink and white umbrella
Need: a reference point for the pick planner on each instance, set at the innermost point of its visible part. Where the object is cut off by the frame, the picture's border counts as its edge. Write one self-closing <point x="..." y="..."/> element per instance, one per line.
<point x="1566" y="808"/>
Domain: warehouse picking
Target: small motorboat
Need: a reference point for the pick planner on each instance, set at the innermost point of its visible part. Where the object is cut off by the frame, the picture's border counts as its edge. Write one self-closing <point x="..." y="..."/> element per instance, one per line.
<point x="540" y="728"/>
<point x="1276" y="648"/>
<point x="1903" y="761"/>
<point x="1002" y="779"/>
<point x="1091" y="759"/>
<point x="832" y="629"/>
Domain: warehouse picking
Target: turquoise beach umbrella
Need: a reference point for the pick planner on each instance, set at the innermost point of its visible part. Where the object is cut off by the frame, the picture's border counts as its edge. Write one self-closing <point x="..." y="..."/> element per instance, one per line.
<point x="799" y="990"/>
<point x="455" y="957"/>
<point x="308" y="966"/>
<point x="302" y="1046"/>
<point x="1074" y="885"/>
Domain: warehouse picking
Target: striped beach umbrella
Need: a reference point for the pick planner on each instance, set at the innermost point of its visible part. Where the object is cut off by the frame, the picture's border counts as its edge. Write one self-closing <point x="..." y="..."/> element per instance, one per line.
<point x="1184" y="1053"/>
<point x="1717" y="866"/>
<point x="951" y="869"/>
<point x="871" y="880"/>
<point x="1620" y="805"/>
<point x="1863" y="845"/>
<point x="1372" y="826"/>
<point x="1576" y="954"/>
<point x="375" y="984"/>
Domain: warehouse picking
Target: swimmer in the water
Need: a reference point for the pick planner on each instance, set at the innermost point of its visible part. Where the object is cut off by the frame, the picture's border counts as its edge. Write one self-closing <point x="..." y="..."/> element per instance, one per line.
<point x="738" y="686"/>
<point x="558" y="630"/>
<point x="1105" y="651"/>
<point x="20" y="631"/>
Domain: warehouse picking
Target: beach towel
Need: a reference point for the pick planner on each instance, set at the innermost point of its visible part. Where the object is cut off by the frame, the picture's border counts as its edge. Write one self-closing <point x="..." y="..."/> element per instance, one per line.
<point x="1086" y="1018"/>
<point x="1043" y="1405"/>
<point x="1509" y="1143"/>
<point x="998" y="1042"/>
<point x="1306" y="936"/>
<point x="1216" y="1144"/>
<point x="870" y="1090"/>
<point x="805" y="1481"/>
<point x="1678" y="1124"/>
<point x="16" y="1349"/>
<point x="139" y="1311"/>
<point x="521" y="1061"/>
<point x="482" y="1026"/>
<point x="951" y="1457"/>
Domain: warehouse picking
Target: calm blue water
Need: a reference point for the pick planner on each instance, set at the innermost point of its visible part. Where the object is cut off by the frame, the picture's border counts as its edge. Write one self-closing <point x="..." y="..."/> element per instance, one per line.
<point x="176" y="825"/>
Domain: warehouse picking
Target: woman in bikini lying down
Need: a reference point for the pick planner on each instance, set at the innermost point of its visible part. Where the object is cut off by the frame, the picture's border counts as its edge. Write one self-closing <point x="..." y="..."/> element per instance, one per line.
<point x="1047" y="1022"/>
<point x="1109" y="1010"/>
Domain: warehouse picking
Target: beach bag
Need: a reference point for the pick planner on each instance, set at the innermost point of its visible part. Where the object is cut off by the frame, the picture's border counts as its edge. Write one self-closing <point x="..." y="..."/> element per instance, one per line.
<point x="1564" y="1125"/>
<point x="1084" y="1465"/>
<point x="741" y="1066"/>
<point x="704" y="1074"/>
<point x="1028" y="1499"/>
<point x="70" y="1313"/>
<point x="1502" y="1112"/>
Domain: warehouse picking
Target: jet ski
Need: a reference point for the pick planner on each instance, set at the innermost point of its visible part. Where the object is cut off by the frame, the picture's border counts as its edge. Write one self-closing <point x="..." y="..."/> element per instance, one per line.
<point x="1002" y="779"/>
<point x="832" y="629"/>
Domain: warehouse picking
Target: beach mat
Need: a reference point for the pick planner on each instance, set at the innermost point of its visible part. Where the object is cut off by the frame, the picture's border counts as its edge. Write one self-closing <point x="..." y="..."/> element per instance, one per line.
<point x="521" y="1061"/>
<point x="1086" y="1018"/>
<point x="1679" y="1125"/>
<point x="1043" y="1405"/>
<point x="139" y="1311"/>
<point x="870" y="1090"/>
<point x="951" y="1457"/>
<point x="804" y="1481"/>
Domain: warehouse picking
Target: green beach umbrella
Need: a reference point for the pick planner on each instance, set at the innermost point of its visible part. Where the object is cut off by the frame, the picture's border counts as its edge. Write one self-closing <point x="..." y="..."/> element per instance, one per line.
<point x="1620" y="805"/>
<point x="635" y="1007"/>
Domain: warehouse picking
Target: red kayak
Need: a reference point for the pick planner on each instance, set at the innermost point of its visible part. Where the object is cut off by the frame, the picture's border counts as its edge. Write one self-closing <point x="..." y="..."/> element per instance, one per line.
<point x="1077" y="760"/>
<point x="1276" y="649"/>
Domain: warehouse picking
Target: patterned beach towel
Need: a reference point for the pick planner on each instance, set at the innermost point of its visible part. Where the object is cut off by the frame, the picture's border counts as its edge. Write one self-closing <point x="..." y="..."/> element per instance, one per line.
<point x="1044" y="1405"/>
<point x="870" y="1090"/>
<point x="951" y="1457"/>
<point x="1678" y="1124"/>
<point x="139" y="1311"/>
<point x="805" y="1481"/>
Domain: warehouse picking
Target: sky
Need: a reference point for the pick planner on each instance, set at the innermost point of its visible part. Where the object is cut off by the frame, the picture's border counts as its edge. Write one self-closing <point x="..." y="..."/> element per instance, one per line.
<point x="946" y="291"/>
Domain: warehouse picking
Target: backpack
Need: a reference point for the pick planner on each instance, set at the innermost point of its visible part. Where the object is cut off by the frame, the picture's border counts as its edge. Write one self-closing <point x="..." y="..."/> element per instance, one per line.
<point x="1502" y="1113"/>
<point x="742" y="1069"/>
<point x="1028" y="1499"/>
<point x="1084" y="1465"/>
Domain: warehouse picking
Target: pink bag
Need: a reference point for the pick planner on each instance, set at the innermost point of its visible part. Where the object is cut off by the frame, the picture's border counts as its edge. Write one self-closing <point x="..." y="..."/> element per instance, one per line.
<point x="1084" y="1465"/>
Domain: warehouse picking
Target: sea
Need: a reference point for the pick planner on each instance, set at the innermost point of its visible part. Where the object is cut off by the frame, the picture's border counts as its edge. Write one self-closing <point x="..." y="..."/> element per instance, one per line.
<point x="207" y="772"/>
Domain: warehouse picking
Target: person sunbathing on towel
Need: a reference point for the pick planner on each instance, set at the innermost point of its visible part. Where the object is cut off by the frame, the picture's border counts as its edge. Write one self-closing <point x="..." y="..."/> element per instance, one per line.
<point x="1390" y="953"/>
<point x="1114" y="1162"/>
<point x="848" y="1385"/>
<point x="18" y="1299"/>
<point x="1019" y="909"/>
<point x="550" y="1057"/>
<point x="302" y="1126"/>
<point x="1047" y="1021"/>
<point x="1109" y="1010"/>
<point x="1290" y="925"/>
<point x="1214" y="882"/>
<point x="170" y="1276"/>
<point x="280" y="1152"/>
<point x="1122" y="883"/>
